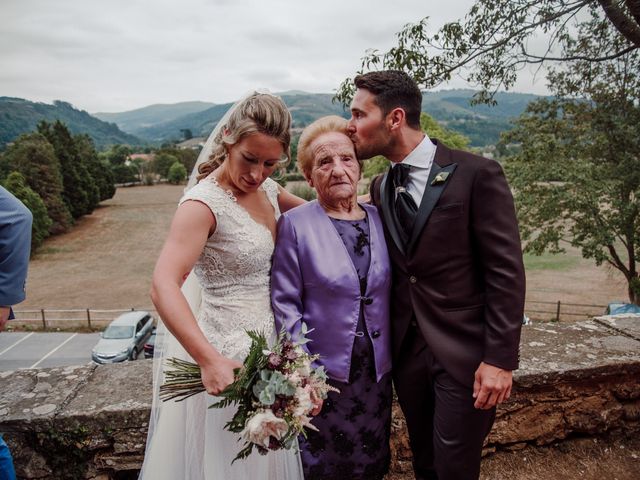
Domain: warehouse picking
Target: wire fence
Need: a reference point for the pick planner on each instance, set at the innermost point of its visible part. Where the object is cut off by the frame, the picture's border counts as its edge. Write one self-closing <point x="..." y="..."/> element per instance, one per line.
<point x="91" y="318"/>
<point x="95" y="319"/>
<point x="559" y="311"/>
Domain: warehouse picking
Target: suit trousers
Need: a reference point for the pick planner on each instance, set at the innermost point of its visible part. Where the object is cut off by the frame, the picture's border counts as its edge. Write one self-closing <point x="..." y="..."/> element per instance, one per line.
<point x="446" y="432"/>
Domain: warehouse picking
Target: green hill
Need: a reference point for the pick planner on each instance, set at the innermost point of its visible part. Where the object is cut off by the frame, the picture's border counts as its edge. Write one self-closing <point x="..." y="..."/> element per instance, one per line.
<point x="134" y="120"/>
<point x="481" y="123"/>
<point x="164" y="122"/>
<point x="18" y="116"/>
<point x="304" y="107"/>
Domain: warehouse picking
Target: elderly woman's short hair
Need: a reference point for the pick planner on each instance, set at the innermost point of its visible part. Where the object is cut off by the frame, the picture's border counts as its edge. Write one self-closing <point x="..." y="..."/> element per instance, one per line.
<point x="331" y="123"/>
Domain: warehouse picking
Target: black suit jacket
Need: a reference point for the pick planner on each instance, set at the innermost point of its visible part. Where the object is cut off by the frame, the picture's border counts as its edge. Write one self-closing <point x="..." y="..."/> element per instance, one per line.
<point x="461" y="273"/>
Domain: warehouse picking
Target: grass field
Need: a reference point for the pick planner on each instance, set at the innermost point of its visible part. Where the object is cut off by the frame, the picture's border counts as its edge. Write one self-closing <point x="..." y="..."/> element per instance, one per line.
<point x="107" y="259"/>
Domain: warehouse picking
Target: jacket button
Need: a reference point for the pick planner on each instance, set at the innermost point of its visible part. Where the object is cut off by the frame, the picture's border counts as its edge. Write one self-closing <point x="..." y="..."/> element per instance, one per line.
<point x="413" y="279"/>
<point x="367" y="300"/>
<point x="375" y="334"/>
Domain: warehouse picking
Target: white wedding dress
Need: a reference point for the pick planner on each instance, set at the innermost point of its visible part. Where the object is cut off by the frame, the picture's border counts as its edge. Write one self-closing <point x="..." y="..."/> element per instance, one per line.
<point x="187" y="440"/>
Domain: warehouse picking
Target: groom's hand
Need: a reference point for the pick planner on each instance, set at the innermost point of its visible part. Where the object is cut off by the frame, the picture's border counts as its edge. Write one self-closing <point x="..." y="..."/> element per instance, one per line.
<point x="492" y="386"/>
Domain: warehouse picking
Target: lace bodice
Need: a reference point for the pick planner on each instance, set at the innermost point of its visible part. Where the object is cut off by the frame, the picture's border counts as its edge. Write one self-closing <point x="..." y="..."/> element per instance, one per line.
<point x="234" y="270"/>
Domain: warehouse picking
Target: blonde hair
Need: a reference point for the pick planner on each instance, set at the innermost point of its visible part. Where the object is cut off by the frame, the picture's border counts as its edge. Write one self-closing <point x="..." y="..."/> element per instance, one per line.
<point x="330" y="123"/>
<point x="258" y="113"/>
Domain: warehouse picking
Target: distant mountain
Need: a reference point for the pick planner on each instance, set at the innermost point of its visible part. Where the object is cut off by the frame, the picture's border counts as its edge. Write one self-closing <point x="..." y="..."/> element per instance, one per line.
<point x="134" y="120"/>
<point x="482" y="123"/>
<point x="307" y="107"/>
<point x="304" y="107"/>
<point x="18" y="116"/>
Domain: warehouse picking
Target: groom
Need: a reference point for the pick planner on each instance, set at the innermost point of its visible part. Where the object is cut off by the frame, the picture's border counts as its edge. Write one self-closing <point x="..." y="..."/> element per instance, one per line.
<point x="458" y="277"/>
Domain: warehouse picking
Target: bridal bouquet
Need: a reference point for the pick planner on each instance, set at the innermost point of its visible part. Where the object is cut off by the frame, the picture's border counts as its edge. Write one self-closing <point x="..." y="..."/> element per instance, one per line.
<point x="275" y="391"/>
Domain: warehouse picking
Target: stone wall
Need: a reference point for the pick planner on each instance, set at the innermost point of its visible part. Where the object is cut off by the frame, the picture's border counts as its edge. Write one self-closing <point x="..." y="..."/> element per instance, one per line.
<point x="91" y="421"/>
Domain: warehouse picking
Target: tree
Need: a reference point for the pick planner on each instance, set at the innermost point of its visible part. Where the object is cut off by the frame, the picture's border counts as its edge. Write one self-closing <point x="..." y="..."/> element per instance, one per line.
<point x="16" y="184"/>
<point x="577" y="175"/>
<point x="124" y="173"/>
<point x="98" y="169"/>
<point x="33" y="156"/>
<point x="162" y="163"/>
<point x="177" y="173"/>
<point x="117" y="154"/>
<point x="433" y="129"/>
<point x="186" y="156"/>
<point x="80" y="192"/>
<point x="493" y="42"/>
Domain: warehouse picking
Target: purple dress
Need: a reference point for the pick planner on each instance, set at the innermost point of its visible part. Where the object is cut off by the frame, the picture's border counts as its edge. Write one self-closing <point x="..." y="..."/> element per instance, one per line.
<point x="354" y="425"/>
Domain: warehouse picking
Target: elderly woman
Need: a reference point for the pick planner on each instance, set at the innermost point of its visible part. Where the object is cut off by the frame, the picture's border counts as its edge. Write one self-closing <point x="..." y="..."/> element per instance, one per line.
<point x="331" y="271"/>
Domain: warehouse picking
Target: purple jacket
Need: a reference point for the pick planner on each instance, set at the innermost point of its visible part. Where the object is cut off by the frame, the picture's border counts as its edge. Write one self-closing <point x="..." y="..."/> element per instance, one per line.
<point x="314" y="281"/>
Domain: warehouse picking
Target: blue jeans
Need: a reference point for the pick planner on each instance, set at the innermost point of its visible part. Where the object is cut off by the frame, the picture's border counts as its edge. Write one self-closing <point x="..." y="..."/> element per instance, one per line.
<point x="6" y="463"/>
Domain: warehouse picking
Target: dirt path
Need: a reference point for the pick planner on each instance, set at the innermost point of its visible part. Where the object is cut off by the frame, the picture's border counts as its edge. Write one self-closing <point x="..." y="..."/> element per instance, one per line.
<point x="108" y="258"/>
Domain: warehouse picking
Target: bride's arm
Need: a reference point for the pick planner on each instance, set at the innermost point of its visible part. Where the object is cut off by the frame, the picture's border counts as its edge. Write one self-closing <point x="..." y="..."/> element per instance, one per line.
<point x="192" y="224"/>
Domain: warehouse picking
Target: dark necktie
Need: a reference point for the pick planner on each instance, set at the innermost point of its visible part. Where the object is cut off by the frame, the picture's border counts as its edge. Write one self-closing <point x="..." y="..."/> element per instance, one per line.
<point x="405" y="206"/>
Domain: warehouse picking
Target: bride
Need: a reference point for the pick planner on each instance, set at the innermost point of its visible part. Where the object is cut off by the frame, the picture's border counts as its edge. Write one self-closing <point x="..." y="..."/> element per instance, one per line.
<point x="223" y="232"/>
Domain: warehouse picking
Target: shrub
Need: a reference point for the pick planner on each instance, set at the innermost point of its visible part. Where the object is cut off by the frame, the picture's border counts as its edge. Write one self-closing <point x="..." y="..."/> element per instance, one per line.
<point x="177" y="173"/>
<point x="16" y="184"/>
<point x="303" y="190"/>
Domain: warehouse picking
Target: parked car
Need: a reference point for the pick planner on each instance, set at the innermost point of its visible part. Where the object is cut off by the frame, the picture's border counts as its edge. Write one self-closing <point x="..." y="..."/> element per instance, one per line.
<point x="621" y="307"/>
<point x="148" y="346"/>
<point x="124" y="338"/>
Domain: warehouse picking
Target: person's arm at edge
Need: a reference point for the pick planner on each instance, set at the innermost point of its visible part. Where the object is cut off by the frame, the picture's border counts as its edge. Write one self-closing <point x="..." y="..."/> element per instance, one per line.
<point x="15" y="245"/>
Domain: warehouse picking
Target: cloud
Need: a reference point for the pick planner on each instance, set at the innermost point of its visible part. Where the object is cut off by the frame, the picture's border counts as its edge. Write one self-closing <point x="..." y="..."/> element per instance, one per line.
<point x="122" y="54"/>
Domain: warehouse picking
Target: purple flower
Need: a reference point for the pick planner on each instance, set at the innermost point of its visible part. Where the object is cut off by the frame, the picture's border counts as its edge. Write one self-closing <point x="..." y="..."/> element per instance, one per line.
<point x="291" y="355"/>
<point x="274" y="361"/>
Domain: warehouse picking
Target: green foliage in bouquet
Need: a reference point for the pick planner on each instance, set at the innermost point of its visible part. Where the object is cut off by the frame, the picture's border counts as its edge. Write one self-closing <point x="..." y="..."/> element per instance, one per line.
<point x="240" y="390"/>
<point x="270" y="385"/>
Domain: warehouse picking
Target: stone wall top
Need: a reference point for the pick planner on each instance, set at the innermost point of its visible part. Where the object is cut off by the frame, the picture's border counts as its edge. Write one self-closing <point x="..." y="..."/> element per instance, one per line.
<point x="99" y="414"/>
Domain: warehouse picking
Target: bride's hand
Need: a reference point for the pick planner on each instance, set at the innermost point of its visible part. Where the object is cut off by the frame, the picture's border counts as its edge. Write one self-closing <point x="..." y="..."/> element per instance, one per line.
<point x="219" y="374"/>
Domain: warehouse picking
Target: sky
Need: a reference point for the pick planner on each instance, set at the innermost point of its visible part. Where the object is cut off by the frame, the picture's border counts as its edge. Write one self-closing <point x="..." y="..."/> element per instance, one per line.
<point x="117" y="55"/>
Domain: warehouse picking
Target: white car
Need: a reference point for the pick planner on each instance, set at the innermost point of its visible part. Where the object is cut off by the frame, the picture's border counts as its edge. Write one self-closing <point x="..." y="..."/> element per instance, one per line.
<point x="124" y="338"/>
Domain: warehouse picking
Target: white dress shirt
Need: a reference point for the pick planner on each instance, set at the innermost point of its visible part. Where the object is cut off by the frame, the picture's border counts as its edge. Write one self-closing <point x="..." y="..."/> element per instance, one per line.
<point x="420" y="159"/>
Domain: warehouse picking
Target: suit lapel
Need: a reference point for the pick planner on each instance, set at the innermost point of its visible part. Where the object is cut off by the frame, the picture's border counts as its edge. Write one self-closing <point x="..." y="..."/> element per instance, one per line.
<point x="431" y="193"/>
<point x="386" y="200"/>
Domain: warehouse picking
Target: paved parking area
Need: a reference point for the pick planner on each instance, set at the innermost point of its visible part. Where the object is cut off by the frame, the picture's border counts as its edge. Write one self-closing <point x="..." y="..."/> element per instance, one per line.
<point x="41" y="350"/>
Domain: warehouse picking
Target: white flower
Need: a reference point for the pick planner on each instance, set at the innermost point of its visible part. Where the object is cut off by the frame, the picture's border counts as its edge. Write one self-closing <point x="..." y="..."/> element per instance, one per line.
<point x="294" y="378"/>
<point x="304" y="369"/>
<point x="262" y="425"/>
<point x="304" y="402"/>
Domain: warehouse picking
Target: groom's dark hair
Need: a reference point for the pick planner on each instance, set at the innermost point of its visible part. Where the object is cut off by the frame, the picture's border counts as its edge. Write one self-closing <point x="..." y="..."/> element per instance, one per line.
<point x="393" y="89"/>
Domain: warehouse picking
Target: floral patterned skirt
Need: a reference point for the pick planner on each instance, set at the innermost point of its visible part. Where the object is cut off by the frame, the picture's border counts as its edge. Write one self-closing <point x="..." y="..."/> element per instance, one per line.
<point x="354" y="425"/>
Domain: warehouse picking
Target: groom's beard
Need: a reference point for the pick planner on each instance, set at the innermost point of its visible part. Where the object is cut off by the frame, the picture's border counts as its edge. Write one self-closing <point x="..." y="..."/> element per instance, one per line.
<point x="377" y="144"/>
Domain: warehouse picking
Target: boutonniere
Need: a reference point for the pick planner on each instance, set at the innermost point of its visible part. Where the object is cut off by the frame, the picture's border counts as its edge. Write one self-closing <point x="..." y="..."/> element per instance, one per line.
<point x="440" y="178"/>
